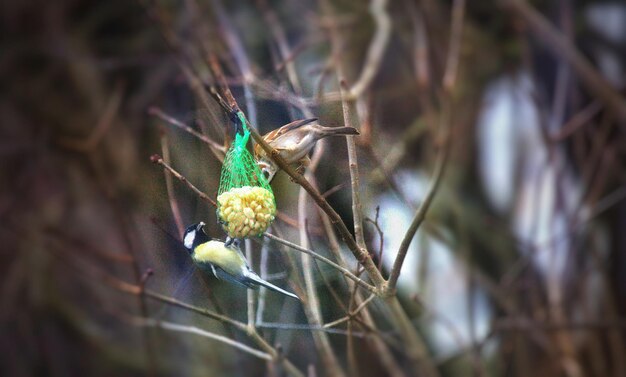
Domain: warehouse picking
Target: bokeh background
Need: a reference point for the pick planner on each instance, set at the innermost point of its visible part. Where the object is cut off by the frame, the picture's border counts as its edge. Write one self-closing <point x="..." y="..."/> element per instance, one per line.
<point x="519" y="268"/>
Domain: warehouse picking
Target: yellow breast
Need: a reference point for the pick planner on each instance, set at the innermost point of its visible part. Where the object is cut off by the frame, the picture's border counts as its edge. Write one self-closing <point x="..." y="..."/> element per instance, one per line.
<point x="216" y="253"/>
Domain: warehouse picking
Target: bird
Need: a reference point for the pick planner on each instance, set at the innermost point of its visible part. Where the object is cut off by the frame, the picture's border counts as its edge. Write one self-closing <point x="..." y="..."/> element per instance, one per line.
<point x="224" y="262"/>
<point x="293" y="142"/>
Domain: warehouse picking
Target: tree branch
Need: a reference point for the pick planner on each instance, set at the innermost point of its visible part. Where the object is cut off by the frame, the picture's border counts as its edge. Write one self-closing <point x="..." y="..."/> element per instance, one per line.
<point x="548" y="35"/>
<point x="149" y="322"/>
<point x="155" y="158"/>
<point x="344" y="271"/>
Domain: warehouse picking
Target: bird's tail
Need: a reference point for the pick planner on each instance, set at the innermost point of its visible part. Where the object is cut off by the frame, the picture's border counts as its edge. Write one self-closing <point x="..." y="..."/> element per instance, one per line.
<point x="336" y="131"/>
<point x="256" y="279"/>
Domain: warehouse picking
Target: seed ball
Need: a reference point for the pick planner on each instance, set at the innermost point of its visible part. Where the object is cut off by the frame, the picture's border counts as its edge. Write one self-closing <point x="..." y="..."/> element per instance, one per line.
<point x="247" y="211"/>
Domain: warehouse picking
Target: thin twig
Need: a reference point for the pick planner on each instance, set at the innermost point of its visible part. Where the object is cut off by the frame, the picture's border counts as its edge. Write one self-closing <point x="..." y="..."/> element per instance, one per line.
<point x="357" y="213"/>
<point x="263" y="274"/>
<point x="235" y="47"/>
<point x="547" y="34"/>
<point x="351" y="314"/>
<point x="456" y="33"/>
<point x="376" y="50"/>
<point x="200" y="332"/>
<point x="250" y="292"/>
<point x="379" y="343"/>
<point x="155" y="158"/>
<point x="312" y="307"/>
<point x="272" y="21"/>
<point x="175" y="122"/>
<point x="344" y="271"/>
<point x="419" y="216"/>
<point x="357" y="208"/>
<point x="170" y="187"/>
<point x="448" y="87"/>
<point x="327" y="283"/>
<point x="381" y="236"/>
<point x="578" y="120"/>
<point x="305" y="327"/>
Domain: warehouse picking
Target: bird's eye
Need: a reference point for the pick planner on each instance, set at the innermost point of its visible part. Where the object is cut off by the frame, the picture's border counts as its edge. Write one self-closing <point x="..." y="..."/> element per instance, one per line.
<point x="266" y="173"/>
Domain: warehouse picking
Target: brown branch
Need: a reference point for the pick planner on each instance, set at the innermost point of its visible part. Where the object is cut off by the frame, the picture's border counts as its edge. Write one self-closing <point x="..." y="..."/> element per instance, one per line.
<point x="278" y="32"/>
<point x="381" y="236"/>
<point x="344" y="271"/>
<point x="376" y="49"/>
<point x="578" y="120"/>
<point x="170" y="188"/>
<point x="357" y="208"/>
<point x="452" y="62"/>
<point x="149" y="322"/>
<point x="155" y="158"/>
<point x="449" y="81"/>
<point x="419" y="215"/>
<point x="379" y="343"/>
<point x="175" y="122"/>
<point x="547" y="34"/>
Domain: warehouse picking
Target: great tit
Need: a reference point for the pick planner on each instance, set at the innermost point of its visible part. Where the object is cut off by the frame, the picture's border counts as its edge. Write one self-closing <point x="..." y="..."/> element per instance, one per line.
<point x="225" y="262"/>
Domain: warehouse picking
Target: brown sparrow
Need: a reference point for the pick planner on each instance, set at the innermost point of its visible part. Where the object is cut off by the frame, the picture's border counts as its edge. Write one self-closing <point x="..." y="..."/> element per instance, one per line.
<point x="293" y="142"/>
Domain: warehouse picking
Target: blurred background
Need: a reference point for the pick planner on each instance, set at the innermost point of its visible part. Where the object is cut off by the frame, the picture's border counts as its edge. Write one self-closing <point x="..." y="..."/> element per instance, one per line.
<point x="518" y="269"/>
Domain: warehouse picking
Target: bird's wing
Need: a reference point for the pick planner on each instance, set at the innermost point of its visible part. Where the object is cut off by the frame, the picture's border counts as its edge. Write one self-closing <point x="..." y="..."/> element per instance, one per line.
<point x="274" y="135"/>
<point x="223" y="275"/>
<point x="294" y="125"/>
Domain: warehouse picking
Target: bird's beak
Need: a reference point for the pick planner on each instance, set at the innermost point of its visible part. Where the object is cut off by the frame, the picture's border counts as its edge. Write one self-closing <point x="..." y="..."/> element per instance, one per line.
<point x="200" y="226"/>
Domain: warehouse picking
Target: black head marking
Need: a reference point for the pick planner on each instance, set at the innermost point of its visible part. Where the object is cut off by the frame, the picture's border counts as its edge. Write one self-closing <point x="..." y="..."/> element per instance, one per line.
<point x="194" y="236"/>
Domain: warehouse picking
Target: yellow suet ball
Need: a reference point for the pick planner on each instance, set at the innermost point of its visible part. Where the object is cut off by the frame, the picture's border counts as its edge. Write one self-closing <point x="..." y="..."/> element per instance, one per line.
<point x="246" y="211"/>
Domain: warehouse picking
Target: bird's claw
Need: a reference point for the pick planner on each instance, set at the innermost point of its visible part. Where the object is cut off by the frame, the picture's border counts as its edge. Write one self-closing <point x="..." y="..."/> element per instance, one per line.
<point x="232" y="241"/>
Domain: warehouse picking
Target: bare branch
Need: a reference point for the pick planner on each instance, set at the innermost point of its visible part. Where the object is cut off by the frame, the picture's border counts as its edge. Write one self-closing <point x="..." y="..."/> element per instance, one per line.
<point x="555" y="41"/>
<point x="170" y="187"/>
<point x="452" y="62"/>
<point x="344" y="271"/>
<point x="376" y="49"/>
<point x="263" y="274"/>
<point x="175" y="122"/>
<point x="250" y="292"/>
<point x="158" y="160"/>
<point x="357" y="209"/>
<point x="419" y="216"/>
<point x="445" y="119"/>
<point x="200" y="332"/>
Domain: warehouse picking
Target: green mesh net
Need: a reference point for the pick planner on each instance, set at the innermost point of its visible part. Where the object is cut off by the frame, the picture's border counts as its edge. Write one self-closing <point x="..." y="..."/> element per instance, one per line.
<point x="245" y="202"/>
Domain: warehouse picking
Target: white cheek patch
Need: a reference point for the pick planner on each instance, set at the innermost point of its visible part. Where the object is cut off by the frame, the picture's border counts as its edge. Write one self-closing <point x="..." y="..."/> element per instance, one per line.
<point x="189" y="238"/>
